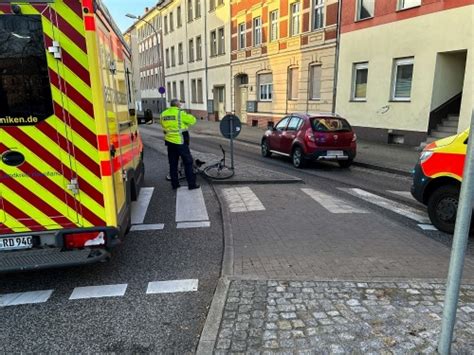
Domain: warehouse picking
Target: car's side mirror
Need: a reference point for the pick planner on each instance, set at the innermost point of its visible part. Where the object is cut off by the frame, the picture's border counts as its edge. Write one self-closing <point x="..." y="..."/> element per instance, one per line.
<point x="270" y="126"/>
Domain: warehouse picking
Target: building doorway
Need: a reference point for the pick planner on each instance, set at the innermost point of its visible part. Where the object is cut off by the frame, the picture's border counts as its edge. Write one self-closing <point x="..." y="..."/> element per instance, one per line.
<point x="219" y="101"/>
<point x="241" y="96"/>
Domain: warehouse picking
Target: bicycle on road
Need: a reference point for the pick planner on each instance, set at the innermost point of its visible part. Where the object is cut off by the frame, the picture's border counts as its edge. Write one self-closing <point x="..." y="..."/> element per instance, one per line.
<point x="216" y="171"/>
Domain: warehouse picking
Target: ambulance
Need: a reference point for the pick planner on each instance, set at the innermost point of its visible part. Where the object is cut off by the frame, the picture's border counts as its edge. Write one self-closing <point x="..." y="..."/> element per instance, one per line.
<point x="71" y="156"/>
<point x="437" y="179"/>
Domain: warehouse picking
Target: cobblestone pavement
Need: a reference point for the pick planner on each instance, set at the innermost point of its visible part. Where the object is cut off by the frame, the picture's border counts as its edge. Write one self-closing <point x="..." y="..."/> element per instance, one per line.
<point x="340" y="317"/>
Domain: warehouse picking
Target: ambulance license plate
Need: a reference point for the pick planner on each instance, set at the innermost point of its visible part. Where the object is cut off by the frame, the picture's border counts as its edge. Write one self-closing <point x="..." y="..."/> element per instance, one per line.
<point x="16" y="243"/>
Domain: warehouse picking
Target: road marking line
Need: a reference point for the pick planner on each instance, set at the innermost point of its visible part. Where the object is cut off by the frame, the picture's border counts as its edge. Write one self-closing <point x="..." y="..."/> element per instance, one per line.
<point x="390" y="205"/>
<point x="242" y="199"/>
<point x="140" y="207"/>
<point x="405" y="194"/>
<point x="428" y="227"/>
<point x="98" y="291"/>
<point x="147" y="227"/>
<point x="172" y="286"/>
<point x="190" y="206"/>
<point x="21" y="298"/>
<point x="186" y="225"/>
<point x="331" y="203"/>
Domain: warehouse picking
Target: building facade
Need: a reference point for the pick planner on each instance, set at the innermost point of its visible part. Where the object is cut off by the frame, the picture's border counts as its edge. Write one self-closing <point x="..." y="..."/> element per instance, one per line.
<point x="283" y="58"/>
<point x="406" y="68"/>
<point x="197" y="55"/>
<point x="145" y="39"/>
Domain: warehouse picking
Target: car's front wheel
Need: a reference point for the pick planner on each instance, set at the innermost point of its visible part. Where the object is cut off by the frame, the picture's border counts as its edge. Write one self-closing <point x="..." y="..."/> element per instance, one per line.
<point x="443" y="207"/>
<point x="265" y="149"/>
<point x="298" y="158"/>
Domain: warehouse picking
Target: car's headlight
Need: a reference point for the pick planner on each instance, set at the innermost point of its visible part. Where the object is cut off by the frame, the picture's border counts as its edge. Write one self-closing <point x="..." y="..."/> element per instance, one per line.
<point x="426" y="155"/>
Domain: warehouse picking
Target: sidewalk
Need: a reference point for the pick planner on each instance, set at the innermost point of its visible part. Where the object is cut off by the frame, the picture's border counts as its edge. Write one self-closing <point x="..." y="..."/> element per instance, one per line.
<point x="385" y="157"/>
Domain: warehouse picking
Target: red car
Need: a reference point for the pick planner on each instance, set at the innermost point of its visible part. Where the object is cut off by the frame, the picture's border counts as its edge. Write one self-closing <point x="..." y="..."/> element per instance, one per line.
<point x="305" y="137"/>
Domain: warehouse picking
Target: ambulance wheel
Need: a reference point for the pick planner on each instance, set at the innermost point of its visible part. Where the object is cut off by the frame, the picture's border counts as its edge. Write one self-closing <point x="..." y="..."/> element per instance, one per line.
<point x="443" y="207"/>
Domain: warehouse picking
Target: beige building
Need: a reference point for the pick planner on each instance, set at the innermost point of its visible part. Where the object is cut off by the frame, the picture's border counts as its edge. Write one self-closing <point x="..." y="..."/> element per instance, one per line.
<point x="406" y="68"/>
<point x="282" y="59"/>
<point x="196" y="53"/>
<point x="145" y="39"/>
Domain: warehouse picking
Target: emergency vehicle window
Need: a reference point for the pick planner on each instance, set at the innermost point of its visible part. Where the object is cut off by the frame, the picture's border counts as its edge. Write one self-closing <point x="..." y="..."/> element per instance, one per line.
<point x="25" y="92"/>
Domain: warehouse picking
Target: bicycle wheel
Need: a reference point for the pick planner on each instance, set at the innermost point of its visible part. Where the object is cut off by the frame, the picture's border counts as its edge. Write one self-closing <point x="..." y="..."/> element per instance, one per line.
<point x="218" y="172"/>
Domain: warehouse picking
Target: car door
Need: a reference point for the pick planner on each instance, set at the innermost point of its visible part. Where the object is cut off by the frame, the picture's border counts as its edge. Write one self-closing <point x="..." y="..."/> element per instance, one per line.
<point x="289" y="135"/>
<point x="275" y="139"/>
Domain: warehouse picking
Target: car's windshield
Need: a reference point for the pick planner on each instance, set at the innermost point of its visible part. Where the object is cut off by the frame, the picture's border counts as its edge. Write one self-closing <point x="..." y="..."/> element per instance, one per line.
<point x="330" y="124"/>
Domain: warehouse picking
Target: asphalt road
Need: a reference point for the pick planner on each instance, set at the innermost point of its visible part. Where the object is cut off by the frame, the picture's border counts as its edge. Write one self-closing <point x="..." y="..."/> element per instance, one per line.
<point x="135" y="322"/>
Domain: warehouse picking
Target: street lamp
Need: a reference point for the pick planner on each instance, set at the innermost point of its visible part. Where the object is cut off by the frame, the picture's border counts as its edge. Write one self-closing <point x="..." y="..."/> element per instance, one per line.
<point x="158" y="44"/>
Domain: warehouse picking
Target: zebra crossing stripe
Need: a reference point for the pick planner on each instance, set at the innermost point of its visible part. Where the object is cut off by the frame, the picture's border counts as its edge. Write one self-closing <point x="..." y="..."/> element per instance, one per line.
<point x="190" y="206"/>
<point x="390" y="205"/>
<point x="140" y="207"/>
<point x="98" y="291"/>
<point x="185" y="225"/>
<point x="242" y="199"/>
<point x="147" y="227"/>
<point x="427" y="227"/>
<point x="331" y="203"/>
<point x="174" y="286"/>
<point x="21" y="298"/>
<point x="405" y="194"/>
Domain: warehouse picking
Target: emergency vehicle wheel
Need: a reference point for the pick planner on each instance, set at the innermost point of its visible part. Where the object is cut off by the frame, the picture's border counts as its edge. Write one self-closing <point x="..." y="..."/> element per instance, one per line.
<point x="443" y="207"/>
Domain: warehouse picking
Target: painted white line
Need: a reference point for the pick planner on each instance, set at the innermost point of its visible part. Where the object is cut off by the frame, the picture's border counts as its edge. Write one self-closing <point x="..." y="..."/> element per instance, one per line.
<point x="172" y="286"/>
<point x="427" y="227"/>
<point x="147" y="227"/>
<point x="242" y="199"/>
<point x="140" y="206"/>
<point x="405" y="194"/>
<point x="390" y="205"/>
<point x="15" y="299"/>
<point x="190" y="206"/>
<point x="185" y="225"/>
<point x="98" y="291"/>
<point x="331" y="203"/>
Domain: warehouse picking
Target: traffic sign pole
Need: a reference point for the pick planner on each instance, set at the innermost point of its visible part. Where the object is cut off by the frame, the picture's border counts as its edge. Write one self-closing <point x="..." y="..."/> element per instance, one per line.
<point x="232" y="142"/>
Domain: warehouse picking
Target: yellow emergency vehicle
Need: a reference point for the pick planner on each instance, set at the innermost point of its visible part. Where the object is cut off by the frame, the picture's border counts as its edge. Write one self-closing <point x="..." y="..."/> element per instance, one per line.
<point x="71" y="157"/>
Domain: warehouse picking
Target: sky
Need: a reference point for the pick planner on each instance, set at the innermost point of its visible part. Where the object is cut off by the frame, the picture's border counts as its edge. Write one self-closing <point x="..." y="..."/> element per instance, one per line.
<point x="118" y="9"/>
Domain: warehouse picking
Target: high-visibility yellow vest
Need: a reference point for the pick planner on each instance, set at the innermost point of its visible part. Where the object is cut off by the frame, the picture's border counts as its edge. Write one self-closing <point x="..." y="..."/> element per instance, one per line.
<point x="174" y="122"/>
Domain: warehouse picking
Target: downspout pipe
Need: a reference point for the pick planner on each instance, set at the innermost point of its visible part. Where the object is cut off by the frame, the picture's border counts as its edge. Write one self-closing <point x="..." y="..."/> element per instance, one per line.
<point x="336" y="63"/>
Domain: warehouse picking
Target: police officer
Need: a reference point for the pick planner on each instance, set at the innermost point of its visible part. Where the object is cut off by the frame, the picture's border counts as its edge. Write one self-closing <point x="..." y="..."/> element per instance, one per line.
<point x="175" y="123"/>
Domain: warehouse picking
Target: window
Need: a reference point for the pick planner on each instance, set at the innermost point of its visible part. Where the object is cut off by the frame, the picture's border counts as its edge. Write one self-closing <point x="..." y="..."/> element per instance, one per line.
<point x="190" y="10"/>
<point x="213" y="43"/>
<point x="257" y="31"/>
<point x="406" y="4"/>
<point x="315" y="82"/>
<point x="182" y="97"/>
<point x="193" y="91"/>
<point x="24" y="82"/>
<point x="212" y="5"/>
<point x="169" y="92"/>
<point x="199" y="91"/>
<point x="273" y="26"/>
<point x="295" y="19"/>
<point x="191" y="50"/>
<point x="265" y="87"/>
<point x="318" y="14"/>
<point x="198" y="48"/>
<point x="173" y="57"/>
<point x="365" y="9"/>
<point x="178" y="17"/>
<point x="174" y="90"/>
<point x="180" y="53"/>
<point x="293" y="84"/>
<point x="167" y="57"/>
<point x="198" y="8"/>
<point x="242" y="36"/>
<point x="171" y="22"/>
<point x="402" y="79"/>
<point x="359" y="85"/>
<point x="221" y="39"/>
<point x="294" y="124"/>
<point x="282" y="124"/>
<point x="166" y="24"/>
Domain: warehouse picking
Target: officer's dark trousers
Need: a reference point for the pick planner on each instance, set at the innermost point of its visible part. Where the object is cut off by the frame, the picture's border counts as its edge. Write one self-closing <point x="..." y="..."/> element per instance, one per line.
<point x="174" y="152"/>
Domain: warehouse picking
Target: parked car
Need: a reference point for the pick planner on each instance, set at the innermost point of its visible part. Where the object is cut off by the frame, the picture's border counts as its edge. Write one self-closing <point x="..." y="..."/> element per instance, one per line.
<point x="437" y="179"/>
<point x="311" y="137"/>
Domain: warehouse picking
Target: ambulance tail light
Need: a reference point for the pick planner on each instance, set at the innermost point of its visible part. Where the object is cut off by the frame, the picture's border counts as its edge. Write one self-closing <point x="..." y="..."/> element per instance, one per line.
<point x="86" y="239"/>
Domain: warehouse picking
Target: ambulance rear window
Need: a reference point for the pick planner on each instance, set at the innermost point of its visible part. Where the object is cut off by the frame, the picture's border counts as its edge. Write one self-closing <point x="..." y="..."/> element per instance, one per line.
<point x="25" y="92"/>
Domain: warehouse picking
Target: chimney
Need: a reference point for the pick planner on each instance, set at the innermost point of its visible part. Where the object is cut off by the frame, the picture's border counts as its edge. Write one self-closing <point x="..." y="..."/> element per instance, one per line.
<point x="146" y="9"/>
